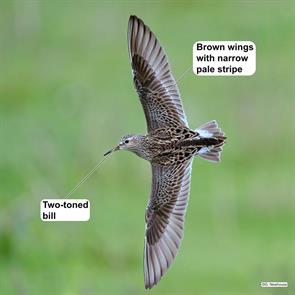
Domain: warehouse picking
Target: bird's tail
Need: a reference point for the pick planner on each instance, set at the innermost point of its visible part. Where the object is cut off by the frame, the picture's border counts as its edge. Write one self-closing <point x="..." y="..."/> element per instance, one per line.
<point x="210" y="130"/>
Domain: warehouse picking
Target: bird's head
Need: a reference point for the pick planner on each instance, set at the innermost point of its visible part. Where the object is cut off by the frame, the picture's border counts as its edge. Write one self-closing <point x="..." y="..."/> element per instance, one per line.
<point x="128" y="142"/>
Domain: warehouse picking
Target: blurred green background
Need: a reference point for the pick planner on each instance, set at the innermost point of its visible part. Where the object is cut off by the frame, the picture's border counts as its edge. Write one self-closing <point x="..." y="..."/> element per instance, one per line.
<point x="67" y="96"/>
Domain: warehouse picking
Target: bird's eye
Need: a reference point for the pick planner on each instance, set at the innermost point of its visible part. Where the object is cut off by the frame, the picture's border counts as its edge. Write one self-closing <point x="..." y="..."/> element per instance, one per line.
<point x="127" y="141"/>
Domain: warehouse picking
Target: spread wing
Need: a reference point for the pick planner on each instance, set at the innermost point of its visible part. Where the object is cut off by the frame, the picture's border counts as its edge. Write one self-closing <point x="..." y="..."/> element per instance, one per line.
<point x="165" y="219"/>
<point x="155" y="85"/>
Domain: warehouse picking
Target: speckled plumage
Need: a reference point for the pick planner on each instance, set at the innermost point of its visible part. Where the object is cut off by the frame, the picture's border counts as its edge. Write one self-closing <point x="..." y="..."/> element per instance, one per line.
<point x="169" y="146"/>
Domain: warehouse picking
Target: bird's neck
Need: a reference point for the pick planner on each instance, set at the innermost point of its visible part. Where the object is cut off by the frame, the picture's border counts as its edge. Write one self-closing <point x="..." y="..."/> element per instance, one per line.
<point x="141" y="149"/>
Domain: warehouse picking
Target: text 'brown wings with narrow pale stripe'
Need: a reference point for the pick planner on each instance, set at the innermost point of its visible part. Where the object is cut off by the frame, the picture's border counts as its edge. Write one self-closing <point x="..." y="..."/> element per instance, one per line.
<point x="153" y="80"/>
<point x="165" y="218"/>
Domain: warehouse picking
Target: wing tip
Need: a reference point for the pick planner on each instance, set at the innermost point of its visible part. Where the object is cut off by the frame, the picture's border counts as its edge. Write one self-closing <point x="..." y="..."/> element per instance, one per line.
<point x="160" y="256"/>
<point x="134" y="24"/>
<point x="133" y="18"/>
<point x="148" y="285"/>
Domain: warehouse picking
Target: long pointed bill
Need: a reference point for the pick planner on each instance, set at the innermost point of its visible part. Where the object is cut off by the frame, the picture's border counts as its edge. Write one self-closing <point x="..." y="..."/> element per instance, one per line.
<point x="111" y="150"/>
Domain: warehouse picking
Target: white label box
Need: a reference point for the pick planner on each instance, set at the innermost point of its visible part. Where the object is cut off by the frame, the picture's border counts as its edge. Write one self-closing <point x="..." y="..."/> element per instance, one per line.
<point x="224" y="58"/>
<point x="65" y="210"/>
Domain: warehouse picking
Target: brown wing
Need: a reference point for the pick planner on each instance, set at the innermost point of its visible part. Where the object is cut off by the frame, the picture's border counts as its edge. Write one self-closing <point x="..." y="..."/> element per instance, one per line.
<point x="165" y="219"/>
<point x="153" y="80"/>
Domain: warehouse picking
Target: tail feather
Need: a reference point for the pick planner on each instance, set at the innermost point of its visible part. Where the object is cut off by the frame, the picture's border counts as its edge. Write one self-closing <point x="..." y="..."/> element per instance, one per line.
<point x="211" y="130"/>
<point x="212" y="154"/>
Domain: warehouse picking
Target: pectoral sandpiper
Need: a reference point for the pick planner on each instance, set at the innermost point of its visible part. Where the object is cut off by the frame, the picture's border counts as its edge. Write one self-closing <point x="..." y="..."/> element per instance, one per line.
<point x="170" y="146"/>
